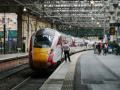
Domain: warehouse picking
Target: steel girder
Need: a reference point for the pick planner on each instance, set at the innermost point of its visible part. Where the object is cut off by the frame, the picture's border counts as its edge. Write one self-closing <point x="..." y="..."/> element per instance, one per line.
<point x="78" y="13"/>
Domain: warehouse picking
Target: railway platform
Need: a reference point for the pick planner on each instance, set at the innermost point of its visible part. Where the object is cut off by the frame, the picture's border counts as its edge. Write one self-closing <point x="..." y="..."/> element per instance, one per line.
<point x="87" y="71"/>
<point x="8" y="61"/>
<point x="8" y="57"/>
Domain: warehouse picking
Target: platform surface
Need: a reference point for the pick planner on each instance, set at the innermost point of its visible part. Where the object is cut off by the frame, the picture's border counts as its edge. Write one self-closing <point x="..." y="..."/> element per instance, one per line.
<point x="4" y="57"/>
<point x="97" y="72"/>
<point x="64" y="73"/>
<point x="87" y="71"/>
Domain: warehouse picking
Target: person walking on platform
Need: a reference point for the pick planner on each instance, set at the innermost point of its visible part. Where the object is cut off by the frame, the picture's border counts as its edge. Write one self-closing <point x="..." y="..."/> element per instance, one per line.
<point x="99" y="48"/>
<point x="66" y="49"/>
<point x="104" y="49"/>
<point x="94" y="47"/>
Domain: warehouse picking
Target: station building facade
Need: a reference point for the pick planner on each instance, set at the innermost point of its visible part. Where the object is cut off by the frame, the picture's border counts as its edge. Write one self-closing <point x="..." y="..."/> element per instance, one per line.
<point x="10" y="20"/>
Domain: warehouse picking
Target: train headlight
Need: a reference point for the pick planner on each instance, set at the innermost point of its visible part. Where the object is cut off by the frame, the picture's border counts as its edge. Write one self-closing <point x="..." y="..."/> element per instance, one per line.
<point x="31" y="52"/>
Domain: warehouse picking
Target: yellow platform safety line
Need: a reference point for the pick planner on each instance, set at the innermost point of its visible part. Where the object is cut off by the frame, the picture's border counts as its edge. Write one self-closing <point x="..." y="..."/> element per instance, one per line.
<point x="40" y="57"/>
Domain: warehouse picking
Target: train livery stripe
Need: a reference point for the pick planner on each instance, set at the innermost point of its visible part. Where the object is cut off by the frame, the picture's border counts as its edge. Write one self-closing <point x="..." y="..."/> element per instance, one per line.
<point x="56" y="41"/>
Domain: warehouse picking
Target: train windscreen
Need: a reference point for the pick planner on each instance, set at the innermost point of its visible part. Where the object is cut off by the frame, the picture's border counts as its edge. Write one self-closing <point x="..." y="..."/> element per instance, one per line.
<point x="43" y="41"/>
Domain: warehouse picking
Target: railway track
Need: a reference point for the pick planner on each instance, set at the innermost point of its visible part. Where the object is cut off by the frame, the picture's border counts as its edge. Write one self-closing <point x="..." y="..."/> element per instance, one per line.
<point x="12" y="80"/>
<point x="24" y="80"/>
<point x="33" y="82"/>
<point x="12" y="62"/>
<point x="13" y="70"/>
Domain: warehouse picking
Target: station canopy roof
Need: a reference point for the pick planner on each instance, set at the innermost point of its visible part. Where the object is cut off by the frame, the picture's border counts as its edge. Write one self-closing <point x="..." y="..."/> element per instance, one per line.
<point x="74" y="13"/>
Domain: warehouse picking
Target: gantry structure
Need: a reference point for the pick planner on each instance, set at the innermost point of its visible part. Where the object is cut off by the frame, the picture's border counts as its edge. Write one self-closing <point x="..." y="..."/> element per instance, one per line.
<point x="72" y="13"/>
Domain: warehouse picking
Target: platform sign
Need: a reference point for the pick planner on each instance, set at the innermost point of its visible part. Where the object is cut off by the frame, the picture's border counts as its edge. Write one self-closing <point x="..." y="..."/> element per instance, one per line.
<point x="12" y="39"/>
<point x="24" y="38"/>
<point x="112" y="31"/>
<point x="108" y="36"/>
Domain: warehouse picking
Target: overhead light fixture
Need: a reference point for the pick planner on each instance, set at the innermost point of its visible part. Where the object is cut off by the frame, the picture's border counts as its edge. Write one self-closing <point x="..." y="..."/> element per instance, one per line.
<point x="97" y="22"/>
<point x="100" y="25"/>
<point x="115" y="4"/>
<point x="111" y="11"/>
<point x="92" y="2"/>
<point x="24" y="9"/>
<point x="91" y="12"/>
<point x="92" y="18"/>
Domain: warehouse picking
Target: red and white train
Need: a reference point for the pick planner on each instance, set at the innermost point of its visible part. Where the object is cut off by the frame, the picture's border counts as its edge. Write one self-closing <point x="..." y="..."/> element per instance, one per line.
<point x="46" y="48"/>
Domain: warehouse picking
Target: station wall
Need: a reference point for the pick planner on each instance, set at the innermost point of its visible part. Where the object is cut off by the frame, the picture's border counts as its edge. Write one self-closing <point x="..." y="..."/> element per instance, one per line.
<point x="10" y="24"/>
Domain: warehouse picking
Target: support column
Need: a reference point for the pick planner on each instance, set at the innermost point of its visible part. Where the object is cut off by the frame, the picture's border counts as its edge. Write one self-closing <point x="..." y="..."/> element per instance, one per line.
<point x="4" y="34"/>
<point x="52" y="25"/>
<point x="28" y="30"/>
<point x="19" y="27"/>
<point x="104" y="36"/>
<point x="36" y="24"/>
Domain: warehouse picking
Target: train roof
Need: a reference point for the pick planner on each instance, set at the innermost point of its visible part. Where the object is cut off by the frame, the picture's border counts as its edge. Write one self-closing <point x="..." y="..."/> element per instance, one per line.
<point x="46" y="31"/>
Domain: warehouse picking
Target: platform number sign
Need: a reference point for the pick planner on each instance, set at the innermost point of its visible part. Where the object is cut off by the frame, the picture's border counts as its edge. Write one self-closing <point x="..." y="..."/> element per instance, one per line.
<point x="112" y="31"/>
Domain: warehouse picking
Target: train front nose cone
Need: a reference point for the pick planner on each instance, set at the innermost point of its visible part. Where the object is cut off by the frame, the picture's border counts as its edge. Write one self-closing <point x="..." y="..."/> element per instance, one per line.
<point x="40" y="57"/>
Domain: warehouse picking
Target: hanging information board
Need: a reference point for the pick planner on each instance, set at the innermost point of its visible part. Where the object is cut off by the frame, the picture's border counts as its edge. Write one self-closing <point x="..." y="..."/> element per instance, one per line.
<point x="112" y="31"/>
